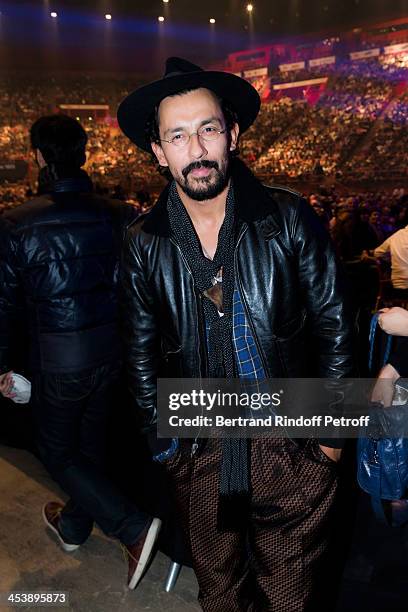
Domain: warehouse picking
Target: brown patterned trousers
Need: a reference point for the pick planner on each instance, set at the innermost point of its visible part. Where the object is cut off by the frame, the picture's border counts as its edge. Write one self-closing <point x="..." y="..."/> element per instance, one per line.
<point x="279" y="563"/>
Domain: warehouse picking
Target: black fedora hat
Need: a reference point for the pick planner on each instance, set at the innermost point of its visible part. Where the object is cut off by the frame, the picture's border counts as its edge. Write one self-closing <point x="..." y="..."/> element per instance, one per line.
<point x="135" y="110"/>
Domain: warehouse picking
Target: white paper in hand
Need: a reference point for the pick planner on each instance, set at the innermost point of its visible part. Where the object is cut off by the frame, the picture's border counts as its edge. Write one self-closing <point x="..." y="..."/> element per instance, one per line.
<point x="21" y="388"/>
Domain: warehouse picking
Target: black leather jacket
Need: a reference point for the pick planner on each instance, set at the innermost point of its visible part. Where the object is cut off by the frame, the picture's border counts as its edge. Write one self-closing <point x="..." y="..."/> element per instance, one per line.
<point x="289" y="281"/>
<point x="59" y="273"/>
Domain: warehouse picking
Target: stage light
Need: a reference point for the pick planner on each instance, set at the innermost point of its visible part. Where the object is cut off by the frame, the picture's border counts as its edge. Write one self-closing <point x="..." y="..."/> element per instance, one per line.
<point x="166" y="1"/>
<point x="212" y="20"/>
<point x="54" y="15"/>
<point x="250" y="8"/>
<point x="108" y="16"/>
<point x="90" y="118"/>
<point x="161" y="19"/>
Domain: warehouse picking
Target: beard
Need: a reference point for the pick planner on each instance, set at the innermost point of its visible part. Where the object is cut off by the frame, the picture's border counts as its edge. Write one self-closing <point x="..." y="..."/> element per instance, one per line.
<point x="205" y="187"/>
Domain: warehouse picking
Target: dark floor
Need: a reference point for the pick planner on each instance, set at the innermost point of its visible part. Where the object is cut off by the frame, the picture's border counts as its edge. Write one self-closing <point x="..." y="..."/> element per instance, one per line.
<point x="375" y="578"/>
<point x="94" y="575"/>
<point x="376" y="575"/>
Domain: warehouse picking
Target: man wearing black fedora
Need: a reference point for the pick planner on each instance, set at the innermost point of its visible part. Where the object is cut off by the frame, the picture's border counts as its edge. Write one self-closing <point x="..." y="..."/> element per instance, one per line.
<point x="227" y="278"/>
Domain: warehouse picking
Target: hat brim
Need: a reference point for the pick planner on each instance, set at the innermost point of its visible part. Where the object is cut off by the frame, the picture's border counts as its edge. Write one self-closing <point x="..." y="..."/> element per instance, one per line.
<point x="135" y="110"/>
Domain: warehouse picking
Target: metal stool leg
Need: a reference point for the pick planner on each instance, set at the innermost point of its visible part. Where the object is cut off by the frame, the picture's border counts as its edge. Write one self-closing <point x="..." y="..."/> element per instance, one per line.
<point x="172" y="576"/>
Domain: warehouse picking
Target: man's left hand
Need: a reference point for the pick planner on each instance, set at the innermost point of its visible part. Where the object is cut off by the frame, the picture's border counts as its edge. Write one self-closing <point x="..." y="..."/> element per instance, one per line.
<point x="333" y="453"/>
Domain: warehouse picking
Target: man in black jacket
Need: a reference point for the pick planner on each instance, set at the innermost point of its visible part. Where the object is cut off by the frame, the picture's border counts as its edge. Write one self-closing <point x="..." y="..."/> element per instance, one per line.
<point x="222" y="279"/>
<point x="59" y="269"/>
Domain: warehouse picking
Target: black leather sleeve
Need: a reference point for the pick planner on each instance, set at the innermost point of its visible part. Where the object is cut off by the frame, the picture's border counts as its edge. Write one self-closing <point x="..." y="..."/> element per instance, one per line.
<point x="139" y="331"/>
<point x="326" y="300"/>
<point x="324" y="293"/>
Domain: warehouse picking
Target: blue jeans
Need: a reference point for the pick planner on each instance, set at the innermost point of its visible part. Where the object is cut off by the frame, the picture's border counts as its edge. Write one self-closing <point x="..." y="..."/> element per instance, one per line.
<point x="71" y="413"/>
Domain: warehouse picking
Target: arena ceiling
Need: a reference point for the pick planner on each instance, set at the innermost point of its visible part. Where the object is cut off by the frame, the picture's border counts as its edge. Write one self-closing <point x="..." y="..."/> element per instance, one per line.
<point x="269" y="16"/>
<point x="134" y="39"/>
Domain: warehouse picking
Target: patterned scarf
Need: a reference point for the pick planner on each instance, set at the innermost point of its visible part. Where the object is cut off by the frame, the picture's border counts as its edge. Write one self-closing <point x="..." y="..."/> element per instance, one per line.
<point x="234" y="471"/>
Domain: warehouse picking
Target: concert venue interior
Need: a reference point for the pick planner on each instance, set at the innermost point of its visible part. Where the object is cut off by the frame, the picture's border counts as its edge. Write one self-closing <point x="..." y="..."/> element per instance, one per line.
<point x="333" y="80"/>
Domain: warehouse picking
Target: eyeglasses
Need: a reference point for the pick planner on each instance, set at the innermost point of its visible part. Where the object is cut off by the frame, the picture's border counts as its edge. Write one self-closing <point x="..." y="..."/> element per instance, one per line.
<point x="208" y="133"/>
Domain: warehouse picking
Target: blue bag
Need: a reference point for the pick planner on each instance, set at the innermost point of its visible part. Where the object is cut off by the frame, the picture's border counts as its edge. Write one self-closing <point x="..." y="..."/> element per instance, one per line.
<point x="382" y="458"/>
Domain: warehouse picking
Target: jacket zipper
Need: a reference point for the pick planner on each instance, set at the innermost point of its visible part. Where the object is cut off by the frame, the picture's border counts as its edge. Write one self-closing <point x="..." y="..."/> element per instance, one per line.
<point x="194" y="445"/>
<point x="248" y="316"/>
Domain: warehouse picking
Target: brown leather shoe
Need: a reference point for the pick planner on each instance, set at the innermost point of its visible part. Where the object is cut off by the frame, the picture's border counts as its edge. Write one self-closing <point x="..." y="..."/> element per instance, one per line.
<point x="140" y="553"/>
<point x="51" y="514"/>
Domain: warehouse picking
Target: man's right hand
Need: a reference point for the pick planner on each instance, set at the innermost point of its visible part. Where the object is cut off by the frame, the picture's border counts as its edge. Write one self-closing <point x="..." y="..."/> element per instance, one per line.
<point x="157" y="445"/>
<point x="6" y="384"/>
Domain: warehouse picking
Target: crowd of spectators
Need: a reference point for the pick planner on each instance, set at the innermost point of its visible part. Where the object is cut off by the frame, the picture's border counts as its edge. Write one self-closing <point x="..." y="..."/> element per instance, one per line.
<point x="359" y="223"/>
<point x="360" y="220"/>
<point x="304" y="74"/>
<point x="113" y="160"/>
<point x="13" y="194"/>
<point x="354" y="127"/>
<point x="115" y="165"/>
<point x="384" y="156"/>
<point x="13" y="142"/>
<point x="273" y="119"/>
<point x="326" y="133"/>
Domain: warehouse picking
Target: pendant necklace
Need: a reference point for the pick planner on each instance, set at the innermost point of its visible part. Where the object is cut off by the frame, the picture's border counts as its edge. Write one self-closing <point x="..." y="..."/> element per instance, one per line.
<point x="215" y="279"/>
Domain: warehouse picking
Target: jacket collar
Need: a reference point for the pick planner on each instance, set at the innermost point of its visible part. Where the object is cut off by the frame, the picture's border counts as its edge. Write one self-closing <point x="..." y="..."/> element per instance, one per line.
<point x="75" y="184"/>
<point x="77" y="181"/>
<point x="252" y="201"/>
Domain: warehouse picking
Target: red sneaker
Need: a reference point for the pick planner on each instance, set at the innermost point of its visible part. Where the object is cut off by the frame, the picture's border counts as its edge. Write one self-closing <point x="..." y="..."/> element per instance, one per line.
<point x="51" y="514"/>
<point x="140" y="553"/>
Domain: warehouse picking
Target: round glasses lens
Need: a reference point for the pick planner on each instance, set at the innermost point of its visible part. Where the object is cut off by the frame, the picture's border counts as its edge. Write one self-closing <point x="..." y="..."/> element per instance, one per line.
<point x="208" y="133"/>
<point x="180" y="140"/>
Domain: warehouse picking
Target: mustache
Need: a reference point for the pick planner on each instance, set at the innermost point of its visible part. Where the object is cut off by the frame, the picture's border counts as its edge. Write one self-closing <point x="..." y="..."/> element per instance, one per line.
<point x="206" y="163"/>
